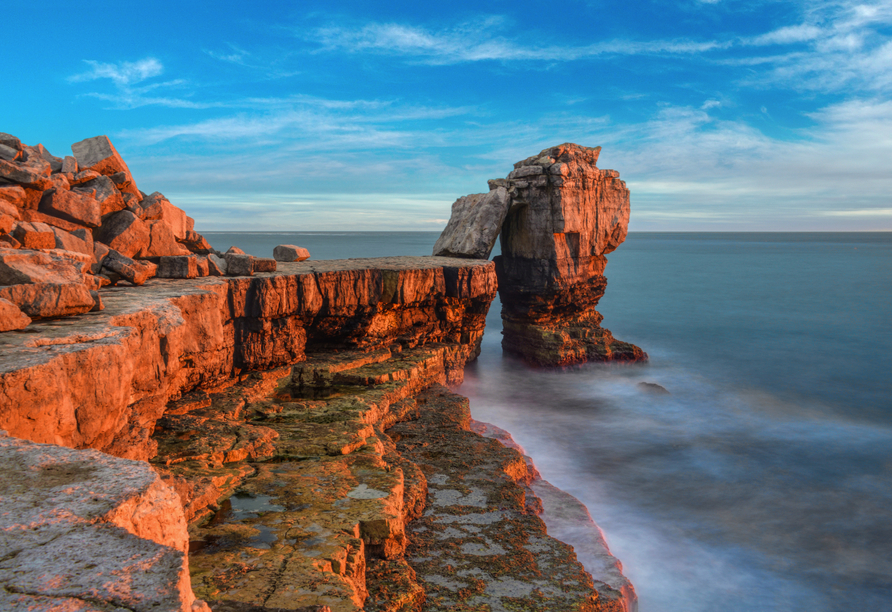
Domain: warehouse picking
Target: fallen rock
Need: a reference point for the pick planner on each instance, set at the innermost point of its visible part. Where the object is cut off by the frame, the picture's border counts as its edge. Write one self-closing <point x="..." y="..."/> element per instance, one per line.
<point x="9" y="154"/>
<point x="216" y="265"/>
<point x="13" y="194"/>
<point x="196" y="243"/>
<point x="10" y="141"/>
<point x="162" y="241"/>
<point x="125" y="233"/>
<point x="103" y="190"/>
<point x="35" y="216"/>
<point x="8" y="242"/>
<point x="99" y="154"/>
<point x="136" y="272"/>
<point x="69" y="165"/>
<point x="11" y="317"/>
<point x="79" y="241"/>
<point x="83" y="176"/>
<point x="34" y="235"/>
<point x="204" y="267"/>
<point x="474" y="225"/>
<point x="49" y="300"/>
<point x="71" y="206"/>
<point x="23" y="266"/>
<point x="82" y="530"/>
<point x="233" y="250"/>
<point x="54" y="162"/>
<point x="182" y="266"/>
<point x="289" y="252"/>
<point x="261" y="264"/>
<point x="159" y="208"/>
<point x="239" y="265"/>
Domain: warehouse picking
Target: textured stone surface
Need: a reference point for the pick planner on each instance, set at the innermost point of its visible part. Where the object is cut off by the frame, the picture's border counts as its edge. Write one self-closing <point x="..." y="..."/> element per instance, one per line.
<point x="33" y="235"/>
<point x="124" y="232"/>
<point x="238" y="264"/>
<point x="103" y="190"/>
<point x="474" y="225"/>
<point x="565" y="215"/>
<point x="185" y="266"/>
<point x="84" y="527"/>
<point x="19" y="266"/>
<point x="290" y="252"/>
<point x="157" y="207"/>
<point x="48" y="300"/>
<point x="72" y="206"/>
<point x="11" y="317"/>
<point x="169" y="337"/>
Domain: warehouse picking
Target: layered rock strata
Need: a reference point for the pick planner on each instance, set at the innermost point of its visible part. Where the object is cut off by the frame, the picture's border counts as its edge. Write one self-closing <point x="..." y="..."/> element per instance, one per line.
<point x="102" y="380"/>
<point x="563" y="216"/>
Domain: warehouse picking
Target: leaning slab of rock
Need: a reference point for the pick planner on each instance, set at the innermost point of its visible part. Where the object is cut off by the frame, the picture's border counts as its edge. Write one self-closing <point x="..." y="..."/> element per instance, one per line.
<point x="11" y="318"/>
<point x="136" y="272"/>
<point x="290" y="252"/>
<point x="474" y="225"/>
<point x="181" y="266"/>
<point x="79" y="241"/>
<point x="124" y="232"/>
<point x="49" y="300"/>
<point x="216" y="265"/>
<point x="82" y="530"/>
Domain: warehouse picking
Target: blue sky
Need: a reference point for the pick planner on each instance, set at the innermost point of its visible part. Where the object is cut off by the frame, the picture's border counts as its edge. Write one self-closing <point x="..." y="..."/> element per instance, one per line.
<point x="719" y="114"/>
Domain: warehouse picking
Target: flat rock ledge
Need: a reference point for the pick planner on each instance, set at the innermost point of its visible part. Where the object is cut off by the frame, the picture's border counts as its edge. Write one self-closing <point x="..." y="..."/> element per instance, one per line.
<point x="81" y="530"/>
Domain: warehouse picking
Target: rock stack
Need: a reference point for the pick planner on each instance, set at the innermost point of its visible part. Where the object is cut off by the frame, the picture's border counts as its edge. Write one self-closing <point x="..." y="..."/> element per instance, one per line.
<point x="557" y="216"/>
<point x="70" y="226"/>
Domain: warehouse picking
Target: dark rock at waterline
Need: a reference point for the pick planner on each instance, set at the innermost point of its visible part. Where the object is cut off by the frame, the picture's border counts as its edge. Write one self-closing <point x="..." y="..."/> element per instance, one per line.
<point x="653" y="388"/>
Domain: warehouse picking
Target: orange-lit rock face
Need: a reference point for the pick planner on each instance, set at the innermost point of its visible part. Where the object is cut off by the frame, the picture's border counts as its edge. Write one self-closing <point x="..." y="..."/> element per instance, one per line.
<point x="565" y="215"/>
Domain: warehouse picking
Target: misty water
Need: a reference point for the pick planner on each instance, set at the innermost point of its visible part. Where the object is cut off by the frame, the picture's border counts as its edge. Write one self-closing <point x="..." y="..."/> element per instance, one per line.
<point x="763" y="480"/>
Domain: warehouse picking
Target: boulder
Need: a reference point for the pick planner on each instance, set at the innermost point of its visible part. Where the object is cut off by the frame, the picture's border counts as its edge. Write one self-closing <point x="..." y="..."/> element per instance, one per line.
<point x="35" y="216"/>
<point x="49" y="300"/>
<point x="19" y="173"/>
<point x="79" y="241"/>
<point x="106" y="194"/>
<point x="13" y="194"/>
<point x="125" y="233"/>
<point x="99" y="253"/>
<point x="34" y="235"/>
<point x="136" y="272"/>
<point x="239" y="265"/>
<point x="9" y="154"/>
<point x="54" y="162"/>
<point x="262" y="264"/>
<point x="22" y="266"/>
<point x="196" y="243"/>
<point x="11" y="318"/>
<point x="71" y="206"/>
<point x="9" y="214"/>
<point x="203" y="267"/>
<point x="289" y="252"/>
<point x="99" y="154"/>
<point x="84" y="176"/>
<point x="233" y="250"/>
<point x="184" y="266"/>
<point x="162" y="241"/>
<point x="10" y="141"/>
<point x="69" y="165"/>
<point x="159" y="208"/>
<point x="474" y="225"/>
<point x="216" y="265"/>
<point x="8" y="242"/>
<point x="92" y="532"/>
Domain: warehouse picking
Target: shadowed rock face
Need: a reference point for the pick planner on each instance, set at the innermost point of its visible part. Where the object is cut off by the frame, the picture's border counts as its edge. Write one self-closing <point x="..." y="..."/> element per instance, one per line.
<point x="565" y="214"/>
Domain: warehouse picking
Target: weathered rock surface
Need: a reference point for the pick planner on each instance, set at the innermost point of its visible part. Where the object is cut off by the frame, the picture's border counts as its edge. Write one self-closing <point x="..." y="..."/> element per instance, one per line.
<point x="81" y="530"/>
<point x="125" y="233"/>
<point x="289" y="252"/>
<point x="49" y="300"/>
<point x="474" y="225"/>
<point x="565" y="216"/>
<point x="72" y="206"/>
<point x="22" y="266"/>
<point x="11" y="317"/>
<point x="170" y="337"/>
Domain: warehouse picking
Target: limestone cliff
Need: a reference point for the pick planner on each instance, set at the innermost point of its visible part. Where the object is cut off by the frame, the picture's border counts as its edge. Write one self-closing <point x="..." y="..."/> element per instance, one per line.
<point x="563" y="215"/>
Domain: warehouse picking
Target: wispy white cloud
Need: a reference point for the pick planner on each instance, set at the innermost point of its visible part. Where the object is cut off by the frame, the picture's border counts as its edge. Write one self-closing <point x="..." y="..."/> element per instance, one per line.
<point x="121" y="74"/>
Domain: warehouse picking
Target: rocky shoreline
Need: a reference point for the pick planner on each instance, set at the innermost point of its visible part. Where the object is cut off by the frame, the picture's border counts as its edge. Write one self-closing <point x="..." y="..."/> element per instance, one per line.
<point x="280" y="438"/>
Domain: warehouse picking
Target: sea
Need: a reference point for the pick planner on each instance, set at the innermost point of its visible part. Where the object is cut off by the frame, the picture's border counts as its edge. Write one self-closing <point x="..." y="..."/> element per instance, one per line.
<point x="763" y="479"/>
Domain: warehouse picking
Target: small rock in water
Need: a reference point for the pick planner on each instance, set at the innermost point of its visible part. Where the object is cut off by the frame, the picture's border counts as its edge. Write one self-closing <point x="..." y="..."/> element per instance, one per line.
<point x="654" y="388"/>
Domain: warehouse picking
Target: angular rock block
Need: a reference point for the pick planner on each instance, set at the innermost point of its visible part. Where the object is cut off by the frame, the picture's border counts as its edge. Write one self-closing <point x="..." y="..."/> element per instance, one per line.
<point x="9" y="154"/>
<point x="103" y="190"/>
<point x="474" y="225"/>
<point x="290" y="252"/>
<point x="11" y="318"/>
<point x="49" y="300"/>
<point x="136" y="272"/>
<point x="82" y="530"/>
<point x="13" y="194"/>
<point x="34" y="235"/>
<point x="24" y="266"/>
<point x="262" y="264"/>
<point x="239" y="265"/>
<point x="99" y="154"/>
<point x="80" y="208"/>
<point x="162" y="241"/>
<point x="79" y="241"/>
<point x="216" y="265"/>
<point x="181" y="266"/>
<point x="159" y="208"/>
<point x="124" y="232"/>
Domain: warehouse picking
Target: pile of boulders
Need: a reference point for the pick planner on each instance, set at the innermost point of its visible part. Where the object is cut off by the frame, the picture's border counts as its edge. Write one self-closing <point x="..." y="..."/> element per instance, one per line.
<point x="70" y="226"/>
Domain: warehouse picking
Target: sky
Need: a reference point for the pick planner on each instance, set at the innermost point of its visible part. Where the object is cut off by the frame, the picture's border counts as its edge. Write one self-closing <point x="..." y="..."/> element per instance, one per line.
<point x="720" y="115"/>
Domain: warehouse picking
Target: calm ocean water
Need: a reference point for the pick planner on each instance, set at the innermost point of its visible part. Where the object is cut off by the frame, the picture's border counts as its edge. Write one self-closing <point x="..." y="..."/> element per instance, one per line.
<point x="764" y="480"/>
